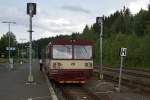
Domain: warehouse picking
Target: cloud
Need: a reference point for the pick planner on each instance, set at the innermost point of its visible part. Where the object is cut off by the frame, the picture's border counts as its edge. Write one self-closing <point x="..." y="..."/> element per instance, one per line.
<point x="112" y="11"/>
<point x="55" y="26"/>
<point x="136" y="5"/>
<point x="55" y="22"/>
<point x="44" y="24"/>
<point x="75" y="9"/>
<point x="14" y="14"/>
<point x="41" y="24"/>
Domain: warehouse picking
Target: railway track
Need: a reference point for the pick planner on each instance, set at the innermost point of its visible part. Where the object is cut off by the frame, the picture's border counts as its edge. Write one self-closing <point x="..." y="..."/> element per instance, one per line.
<point x="132" y="78"/>
<point x="73" y="92"/>
<point x="136" y="80"/>
<point x="77" y="92"/>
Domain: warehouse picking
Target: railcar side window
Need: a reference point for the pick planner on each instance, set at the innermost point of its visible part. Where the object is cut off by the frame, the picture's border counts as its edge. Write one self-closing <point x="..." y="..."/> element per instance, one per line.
<point x="82" y="52"/>
<point x="62" y="51"/>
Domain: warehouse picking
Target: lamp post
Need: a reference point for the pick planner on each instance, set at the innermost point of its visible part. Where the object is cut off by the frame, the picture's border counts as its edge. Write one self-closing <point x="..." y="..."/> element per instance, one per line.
<point x="9" y="23"/>
<point x="99" y="21"/>
<point x="22" y="39"/>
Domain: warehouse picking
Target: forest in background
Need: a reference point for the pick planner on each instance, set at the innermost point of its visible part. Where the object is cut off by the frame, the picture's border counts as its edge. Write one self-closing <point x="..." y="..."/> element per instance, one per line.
<point x="121" y="29"/>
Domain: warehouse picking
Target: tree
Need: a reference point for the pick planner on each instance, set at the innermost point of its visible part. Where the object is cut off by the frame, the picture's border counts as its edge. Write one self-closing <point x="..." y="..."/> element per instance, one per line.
<point x="140" y="21"/>
<point x="4" y="42"/>
<point x="86" y="30"/>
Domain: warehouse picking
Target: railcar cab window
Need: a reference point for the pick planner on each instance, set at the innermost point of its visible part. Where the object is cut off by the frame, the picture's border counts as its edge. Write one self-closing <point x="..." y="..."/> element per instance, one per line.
<point x="62" y="51"/>
<point x="82" y="52"/>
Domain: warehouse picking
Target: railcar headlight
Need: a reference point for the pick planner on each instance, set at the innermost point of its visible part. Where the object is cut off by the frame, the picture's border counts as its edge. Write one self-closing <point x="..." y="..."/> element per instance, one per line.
<point x="57" y="65"/>
<point x="54" y="64"/>
<point x="88" y="64"/>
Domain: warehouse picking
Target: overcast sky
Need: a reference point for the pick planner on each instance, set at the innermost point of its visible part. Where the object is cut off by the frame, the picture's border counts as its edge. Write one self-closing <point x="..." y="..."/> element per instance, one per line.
<point x="55" y="17"/>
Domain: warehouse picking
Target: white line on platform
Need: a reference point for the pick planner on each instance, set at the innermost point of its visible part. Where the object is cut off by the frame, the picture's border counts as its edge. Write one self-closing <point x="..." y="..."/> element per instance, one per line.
<point x="105" y="92"/>
<point x="52" y="92"/>
<point x="39" y="97"/>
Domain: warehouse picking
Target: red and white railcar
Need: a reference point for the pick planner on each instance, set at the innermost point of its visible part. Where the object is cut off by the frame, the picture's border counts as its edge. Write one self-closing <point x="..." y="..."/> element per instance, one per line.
<point x="70" y="61"/>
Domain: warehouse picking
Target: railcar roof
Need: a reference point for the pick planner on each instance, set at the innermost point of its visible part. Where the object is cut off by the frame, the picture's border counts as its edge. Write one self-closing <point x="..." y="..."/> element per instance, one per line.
<point x="62" y="41"/>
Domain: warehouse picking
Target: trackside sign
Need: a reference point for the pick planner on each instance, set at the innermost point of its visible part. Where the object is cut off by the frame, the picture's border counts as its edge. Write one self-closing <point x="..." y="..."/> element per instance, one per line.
<point x="123" y="52"/>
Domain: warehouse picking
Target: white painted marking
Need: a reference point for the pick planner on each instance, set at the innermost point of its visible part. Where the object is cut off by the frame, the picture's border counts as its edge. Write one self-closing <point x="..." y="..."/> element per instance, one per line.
<point x="52" y="92"/>
<point x="84" y="97"/>
<point x="105" y="92"/>
<point x="39" y="97"/>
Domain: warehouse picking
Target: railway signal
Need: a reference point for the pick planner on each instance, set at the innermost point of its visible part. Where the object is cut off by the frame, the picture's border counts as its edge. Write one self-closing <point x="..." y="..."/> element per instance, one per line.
<point x="31" y="10"/>
<point x="122" y="54"/>
<point x="99" y="21"/>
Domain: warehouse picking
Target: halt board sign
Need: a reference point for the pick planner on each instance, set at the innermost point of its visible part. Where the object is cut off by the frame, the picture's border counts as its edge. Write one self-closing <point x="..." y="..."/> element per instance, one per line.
<point x="123" y="52"/>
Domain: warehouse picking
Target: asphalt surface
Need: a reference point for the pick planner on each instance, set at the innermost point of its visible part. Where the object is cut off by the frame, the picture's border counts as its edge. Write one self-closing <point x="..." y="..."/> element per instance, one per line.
<point x="13" y="83"/>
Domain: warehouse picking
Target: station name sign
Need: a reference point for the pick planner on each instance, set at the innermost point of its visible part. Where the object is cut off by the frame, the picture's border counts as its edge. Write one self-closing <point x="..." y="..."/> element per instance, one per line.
<point x="11" y="48"/>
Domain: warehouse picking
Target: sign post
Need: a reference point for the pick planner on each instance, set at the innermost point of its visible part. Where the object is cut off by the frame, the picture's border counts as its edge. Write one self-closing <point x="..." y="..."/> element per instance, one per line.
<point x="31" y="10"/>
<point x="99" y="20"/>
<point x="11" y="63"/>
<point x="122" y="54"/>
<point x="11" y="59"/>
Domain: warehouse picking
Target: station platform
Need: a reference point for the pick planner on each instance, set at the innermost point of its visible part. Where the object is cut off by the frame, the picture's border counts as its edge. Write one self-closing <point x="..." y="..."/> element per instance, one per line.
<point x="14" y="85"/>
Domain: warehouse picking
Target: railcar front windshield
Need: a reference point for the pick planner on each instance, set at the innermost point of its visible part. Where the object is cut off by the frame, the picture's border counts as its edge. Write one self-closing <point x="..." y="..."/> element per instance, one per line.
<point x="62" y="51"/>
<point x="82" y="52"/>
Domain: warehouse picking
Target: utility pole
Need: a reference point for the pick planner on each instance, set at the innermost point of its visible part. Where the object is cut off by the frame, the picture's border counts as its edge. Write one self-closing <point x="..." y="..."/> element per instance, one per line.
<point x="31" y="10"/>
<point x="9" y="23"/>
<point x="99" y="21"/>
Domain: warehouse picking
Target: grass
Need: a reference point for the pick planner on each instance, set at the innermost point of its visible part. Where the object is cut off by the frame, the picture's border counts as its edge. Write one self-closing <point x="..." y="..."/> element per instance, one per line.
<point x="3" y="60"/>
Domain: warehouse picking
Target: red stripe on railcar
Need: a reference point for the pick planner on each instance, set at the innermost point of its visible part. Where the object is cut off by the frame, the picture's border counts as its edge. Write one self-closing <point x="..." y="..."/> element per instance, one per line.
<point x="62" y="41"/>
<point x="70" y="74"/>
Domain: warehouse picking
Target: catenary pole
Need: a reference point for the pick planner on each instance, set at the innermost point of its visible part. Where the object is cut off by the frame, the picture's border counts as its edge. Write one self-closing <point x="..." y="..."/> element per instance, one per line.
<point x="99" y="21"/>
<point x="101" y="50"/>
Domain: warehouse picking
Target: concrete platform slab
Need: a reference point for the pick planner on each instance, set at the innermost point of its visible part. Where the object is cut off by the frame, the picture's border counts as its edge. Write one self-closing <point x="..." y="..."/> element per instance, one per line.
<point x="13" y="83"/>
